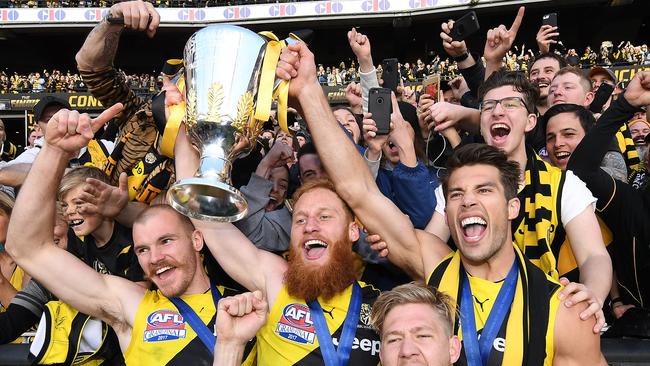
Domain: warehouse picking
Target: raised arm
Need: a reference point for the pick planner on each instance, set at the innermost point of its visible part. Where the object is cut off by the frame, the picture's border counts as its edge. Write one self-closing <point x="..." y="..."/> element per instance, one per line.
<point x="346" y="167"/>
<point x="98" y="50"/>
<point x="499" y="40"/>
<point x="586" y="158"/>
<point x="360" y="45"/>
<point x="30" y="241"/>
<point x="255" y="269"/>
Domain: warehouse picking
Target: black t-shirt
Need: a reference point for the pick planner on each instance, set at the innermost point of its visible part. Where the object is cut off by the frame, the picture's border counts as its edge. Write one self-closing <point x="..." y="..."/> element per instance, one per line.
<point x="116" y="257"/>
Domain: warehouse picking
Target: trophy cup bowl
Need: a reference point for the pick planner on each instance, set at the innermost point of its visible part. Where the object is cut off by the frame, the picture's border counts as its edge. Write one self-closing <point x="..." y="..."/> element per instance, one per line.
<point x="222" y="69"/>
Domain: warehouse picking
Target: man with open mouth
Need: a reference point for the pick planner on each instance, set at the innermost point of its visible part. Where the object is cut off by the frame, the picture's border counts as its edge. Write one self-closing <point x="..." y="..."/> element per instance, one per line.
<point x="481" y="188"/>
<point x="556" y="205"/>
<point x="570" y="85"/>
<point x="319" y="312"/>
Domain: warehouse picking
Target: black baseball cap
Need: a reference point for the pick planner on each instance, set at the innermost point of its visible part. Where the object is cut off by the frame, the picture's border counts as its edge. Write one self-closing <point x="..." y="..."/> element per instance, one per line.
<point x="48" y="101"/>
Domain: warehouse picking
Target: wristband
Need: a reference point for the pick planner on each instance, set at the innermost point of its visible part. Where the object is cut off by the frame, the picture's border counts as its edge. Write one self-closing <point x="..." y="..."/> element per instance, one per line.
<point x="615" y="300"/>
<point x="461" y="58"/>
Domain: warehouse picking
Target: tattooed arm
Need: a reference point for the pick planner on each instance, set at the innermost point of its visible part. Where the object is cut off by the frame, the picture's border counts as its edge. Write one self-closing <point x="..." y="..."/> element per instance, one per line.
<point x="100" y="46"/>
<point x="614" y="164"/>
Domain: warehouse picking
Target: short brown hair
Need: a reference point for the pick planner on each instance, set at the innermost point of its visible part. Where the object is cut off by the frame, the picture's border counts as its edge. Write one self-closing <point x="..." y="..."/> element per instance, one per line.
<point x="77" y="176"/>
<point x="148" y="212"/>
<point x="414" y="293"/>
<point x="517" y="80"/>
<point x="584" y="81"/>
<point x="322" y="183"/>
<point x="483" y="154"/>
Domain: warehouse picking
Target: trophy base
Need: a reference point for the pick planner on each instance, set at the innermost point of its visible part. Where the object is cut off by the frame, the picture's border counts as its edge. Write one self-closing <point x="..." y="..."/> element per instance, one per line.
<point x="208" y="200"/>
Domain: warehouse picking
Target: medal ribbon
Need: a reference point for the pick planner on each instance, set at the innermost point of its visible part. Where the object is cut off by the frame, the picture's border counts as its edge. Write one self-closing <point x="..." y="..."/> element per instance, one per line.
<point x="341" y="356"/>
<point x="189" y="315"/>
<point x="476" y="348"/>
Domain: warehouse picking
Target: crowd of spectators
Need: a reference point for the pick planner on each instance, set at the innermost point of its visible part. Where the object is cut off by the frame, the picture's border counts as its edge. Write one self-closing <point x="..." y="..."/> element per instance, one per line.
<point x="56" y="81"/>
<point x="517" y="59"/>
<point x="489" y="190"/>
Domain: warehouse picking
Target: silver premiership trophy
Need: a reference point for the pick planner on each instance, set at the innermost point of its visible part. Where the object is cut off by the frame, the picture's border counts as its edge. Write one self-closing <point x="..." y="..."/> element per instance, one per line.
<point x="223" y="67"/>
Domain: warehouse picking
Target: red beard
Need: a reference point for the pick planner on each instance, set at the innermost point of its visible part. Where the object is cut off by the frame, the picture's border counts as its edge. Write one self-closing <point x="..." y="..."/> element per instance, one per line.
<point x="308" y="282"/>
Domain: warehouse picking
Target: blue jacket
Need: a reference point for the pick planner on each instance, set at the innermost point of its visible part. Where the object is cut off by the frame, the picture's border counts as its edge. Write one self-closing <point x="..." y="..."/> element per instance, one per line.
<point x="412" y="190"/>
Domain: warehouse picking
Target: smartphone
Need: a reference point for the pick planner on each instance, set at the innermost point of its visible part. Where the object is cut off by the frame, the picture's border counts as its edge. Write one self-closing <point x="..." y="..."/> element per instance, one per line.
<point x="550" y="19"/>
<point x="390" y="74"/>
<point x="380" y="105"/>
<point x="465" y="27"/>
<point x="601" y="97"/>
<point x="431" y="86"/>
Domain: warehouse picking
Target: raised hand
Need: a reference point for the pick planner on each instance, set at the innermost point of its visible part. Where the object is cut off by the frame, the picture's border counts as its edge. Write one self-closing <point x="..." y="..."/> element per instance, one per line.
<point x="574" y="293"/>
<point x="545" y="36"/>
<point x="445" y="115"/>
<point x="424" y="113"/>
<point x="453" y="48"/>
<point x="69" y="131"/>
<point x="240" y="317"/>
<point x="499" y="39"/>
<point x="280" y="154"/>
<point x="104" y="199"/>
<point x="138" y="15"/>
<point x="297" y="64"/>
<point x="638" y="91"/>
<point x="459" y="86"/>
<point x="354" y="97"/>
<point x="375" y="142"/>
<point x="360" y="45"/>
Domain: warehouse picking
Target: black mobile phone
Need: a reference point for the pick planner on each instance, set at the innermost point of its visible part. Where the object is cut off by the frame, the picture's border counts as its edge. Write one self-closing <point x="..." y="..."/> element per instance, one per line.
<point x="601" y="97"/>
<point x="390" y="74"/>
<point x="550" y="19"/>
<point x="379" y="104"/>
<point x="465" y="27"/>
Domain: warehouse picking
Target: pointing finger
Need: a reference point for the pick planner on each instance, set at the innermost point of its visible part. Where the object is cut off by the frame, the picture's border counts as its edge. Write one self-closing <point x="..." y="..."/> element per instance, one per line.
<point x="517" y="23"/>
<point x="106" y="116"/>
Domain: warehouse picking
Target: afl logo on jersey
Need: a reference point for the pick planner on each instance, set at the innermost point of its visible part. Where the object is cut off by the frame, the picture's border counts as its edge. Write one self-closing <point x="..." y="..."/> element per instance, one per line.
<point x="164" y="325"/>
<point x="296" y="324"/>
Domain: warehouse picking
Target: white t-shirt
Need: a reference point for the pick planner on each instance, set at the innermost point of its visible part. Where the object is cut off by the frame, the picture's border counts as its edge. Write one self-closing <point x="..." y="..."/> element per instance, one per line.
<point x="575" y="198"/>
<point x="29" y="155"/>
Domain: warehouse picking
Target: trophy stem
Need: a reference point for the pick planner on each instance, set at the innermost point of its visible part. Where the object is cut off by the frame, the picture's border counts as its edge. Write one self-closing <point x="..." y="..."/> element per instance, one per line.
<point x="214" y="167"/>
<point x="209" y="195"/>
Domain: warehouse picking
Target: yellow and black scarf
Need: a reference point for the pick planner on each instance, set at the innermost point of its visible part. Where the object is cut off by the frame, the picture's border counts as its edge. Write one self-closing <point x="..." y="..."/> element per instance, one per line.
<point x="538" y="229"/>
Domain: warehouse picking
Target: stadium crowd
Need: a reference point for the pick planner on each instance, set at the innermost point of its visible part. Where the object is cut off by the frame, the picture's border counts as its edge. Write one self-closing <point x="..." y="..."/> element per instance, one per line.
<point x="609" y="55"/>
<point x="510" y="203"/>
<point x="56" y="81"/>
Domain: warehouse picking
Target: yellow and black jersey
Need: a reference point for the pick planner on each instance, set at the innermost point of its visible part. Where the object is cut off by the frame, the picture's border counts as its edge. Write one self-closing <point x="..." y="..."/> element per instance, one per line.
<point x="526" y="335"/>
<point x="144" y="148"/>
<point x="161" y="336"/>
<point x="289" y="335"/>
<point x="116" y="257"/>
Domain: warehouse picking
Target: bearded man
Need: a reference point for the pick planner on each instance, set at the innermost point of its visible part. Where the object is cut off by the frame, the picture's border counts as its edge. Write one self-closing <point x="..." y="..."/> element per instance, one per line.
<point x="319" y="313"/>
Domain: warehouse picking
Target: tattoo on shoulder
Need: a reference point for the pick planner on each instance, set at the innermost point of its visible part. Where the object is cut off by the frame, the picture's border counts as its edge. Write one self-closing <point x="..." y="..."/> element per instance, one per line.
<point x="614" y="164"/>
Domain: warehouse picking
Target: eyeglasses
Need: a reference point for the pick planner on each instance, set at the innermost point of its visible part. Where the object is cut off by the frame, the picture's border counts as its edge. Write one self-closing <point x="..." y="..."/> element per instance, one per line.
<point x="509" y="103"/>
